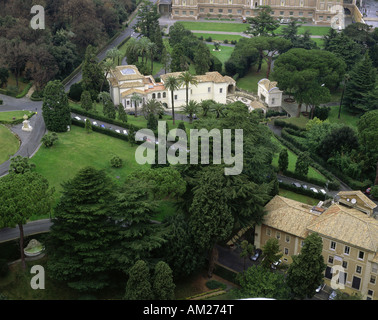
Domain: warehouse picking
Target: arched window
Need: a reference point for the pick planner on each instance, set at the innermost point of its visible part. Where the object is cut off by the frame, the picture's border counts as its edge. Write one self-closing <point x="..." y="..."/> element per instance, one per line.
<point x="153" y="96"/>
<point x="164" y="94"/>
<point x="159" y="95"/>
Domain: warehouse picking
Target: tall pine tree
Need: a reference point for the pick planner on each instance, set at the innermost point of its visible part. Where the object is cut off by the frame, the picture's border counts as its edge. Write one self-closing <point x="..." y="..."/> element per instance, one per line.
<point x="82" y="235"/>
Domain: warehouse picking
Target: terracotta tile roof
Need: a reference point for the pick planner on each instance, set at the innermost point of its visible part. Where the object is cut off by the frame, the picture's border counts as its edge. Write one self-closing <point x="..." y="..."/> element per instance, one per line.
<point x="131" y="84"/>
<point x="349" y="226"/>
<point x="131" y="91"/>
<point x="268" y="85"/>
<point x="289" y="216"/>
<point x="127" y="72"/>
<point x="359" y="194"/>
<point x="214" y="76"/>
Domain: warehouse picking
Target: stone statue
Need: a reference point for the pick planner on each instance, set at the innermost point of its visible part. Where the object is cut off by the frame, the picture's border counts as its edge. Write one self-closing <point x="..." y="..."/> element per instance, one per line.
<point x="26" y="124"/>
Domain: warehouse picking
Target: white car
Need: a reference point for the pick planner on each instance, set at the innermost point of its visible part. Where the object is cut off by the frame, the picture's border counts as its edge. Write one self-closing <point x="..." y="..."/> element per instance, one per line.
<point x="323" y="191"/>
<point x="276" y="264"/>
<point x="117" y="131"/>
<point x="125" y="132"/>
<point x="95" y="123"/>
<point x="332" y="296"/>
<point x="77" y="118"/>
<point x="314" y="190"/>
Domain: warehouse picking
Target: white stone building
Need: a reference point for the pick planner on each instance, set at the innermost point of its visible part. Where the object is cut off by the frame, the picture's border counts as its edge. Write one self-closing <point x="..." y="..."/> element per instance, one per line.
<point x="126" y="80"/>
<point x="269" y="93"/>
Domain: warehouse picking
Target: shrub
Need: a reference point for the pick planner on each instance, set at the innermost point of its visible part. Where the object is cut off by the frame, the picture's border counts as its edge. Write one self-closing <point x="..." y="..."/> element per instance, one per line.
<point x="49" y="139"/>
<point x="75" y="92"/>
<point x="209" y="39"/>
<point x="116" y="162"/>
<point x="214" y="284"/>
<point x="374" y="192"/>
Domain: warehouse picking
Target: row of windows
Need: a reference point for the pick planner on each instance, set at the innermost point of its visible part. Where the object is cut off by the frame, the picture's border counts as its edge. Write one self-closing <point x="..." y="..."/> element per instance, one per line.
<point x="358" y="269"/>
<point x="346" y="251"/>
<point x="158" y="95"/>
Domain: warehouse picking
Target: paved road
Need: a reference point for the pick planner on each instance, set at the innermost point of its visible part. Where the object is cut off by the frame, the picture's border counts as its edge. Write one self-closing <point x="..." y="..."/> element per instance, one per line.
<point x="34" y="227"/>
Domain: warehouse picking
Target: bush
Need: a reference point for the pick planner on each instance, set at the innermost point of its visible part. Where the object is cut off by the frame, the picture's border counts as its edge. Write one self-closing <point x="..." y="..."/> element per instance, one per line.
<point x="209" y="39"/>
<point x="116" y="162"/>
<point x="75" y="92"/>
<point x="374" y="192"/>
<point x="49" y="139"/>
<point x="214" y="284"/>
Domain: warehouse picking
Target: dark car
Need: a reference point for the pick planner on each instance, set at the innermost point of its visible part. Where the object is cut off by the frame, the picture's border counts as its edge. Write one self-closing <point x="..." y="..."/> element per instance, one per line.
<point x="257" y="254"/>
<point x="296" y="184"/>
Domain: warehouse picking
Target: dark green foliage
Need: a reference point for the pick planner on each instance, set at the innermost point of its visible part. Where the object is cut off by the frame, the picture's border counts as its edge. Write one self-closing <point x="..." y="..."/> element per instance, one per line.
<point x="122" y="115"/>
<point x="116" y="162"/>
<point x="88" y="126"/>
<point x="321" y="112"/>
<point x="82" y="236"/>
<point x="214" y="284"/>
<point x="76" y="90"/>
<point x="86" y="101"/>
<point x="152" y="122"/>
<point x="306" y="272"/>
<point x="55" y="109"/>
<point x="92" y="73"/>
<point x="4" y="269"/>
<point x="4" y="75"/>
<point x="163" y="285"/>
<point x="263" y="24"/>
<point x="374" y="192"/>
<point x="362" y="80"/>
<point x="49" y="139"/>
<point x="202" y="60"/>
<point x="20" y="165"/>
<point x="302" y="164"/>
<point x="283" y="160"/>
<point x="138" y="286"/>
<point x="271" y="253"/>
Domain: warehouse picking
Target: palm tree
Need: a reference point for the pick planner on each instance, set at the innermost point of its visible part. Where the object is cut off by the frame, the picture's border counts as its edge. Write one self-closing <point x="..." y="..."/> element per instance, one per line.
<point x="132" y="50"/>
<point x="134" y="99"/>
<point x="152" y="106"/>
<point x="152" y="49"/>
<point x="107" y="65"/>
<point x="172" y="84"/>
<point x="191" y="108"/>
<point x="187" y="78"/>
<point x="114" y="54"/>
<point x="218" y="108"/>
<point x="143" y="44"/>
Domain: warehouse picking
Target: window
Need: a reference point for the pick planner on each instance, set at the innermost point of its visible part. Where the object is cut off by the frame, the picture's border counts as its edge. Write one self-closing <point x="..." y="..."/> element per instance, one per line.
<point x="184" y="13"/>
<point x="286" y="251"/>
<point x="300" y="14"/>
<point x="220" y="90"/>
<point x="153" y="96"/>
<point x="209" y="89"/>
<point x="202" y="10"/>
<point x="345" y="265"/>
<point x="346" y="250"/>
<point x="287" y="237"/>
<point x="268" y="232"/>
<point x="372" y="279"/>
<point x="175" y="96"/>
<point x="164" y="94"/>
<point x="127" y="102"/>
<point x="328" y="18"/>
<point x="159" y="95"/>
<point x="273" y="100"/>
<point x="361" y="255"/>
<point x="370" y="292"/>
<point x="220" y="10"/>
<point x="211" y="10"/>
<point x="239" y="11"/>
<point x="330" y="259"/>
<point x="301" y="3"/>
<point x="282" y="13"/>
<point x="291" y="13"/>
<point x="176" y="12"/>
<point x="278" y="235"/>
<point x="374" y="267"/>
<point x="302" y="243"/>
<point x="328" y="273"/>
<point x="310" y="14"/>
<point x="191" y="13"/>
<point x="333" y="245"/>
<point x="320" y="17"/>
<point x="356" y="282"/>
<point x="358" y="269"/>
<point x="229" y="11"/>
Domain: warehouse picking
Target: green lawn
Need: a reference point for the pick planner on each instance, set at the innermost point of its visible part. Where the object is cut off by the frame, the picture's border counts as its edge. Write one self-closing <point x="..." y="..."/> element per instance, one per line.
<point x="9" y="144"/>
<point x="346" y="118"/>
<point x="223" y="55"/>
<point x="298" y="197"/>
<point x="219" y="37"/>
<point x="77" y="149"/>
<point x="314" y="30"/>
<point x="312" y="173"/>
<point x="250" y="80"/>
<point x="9" y="116"/>
<point x="299" y="122"/>
<point x="215" y="26"/>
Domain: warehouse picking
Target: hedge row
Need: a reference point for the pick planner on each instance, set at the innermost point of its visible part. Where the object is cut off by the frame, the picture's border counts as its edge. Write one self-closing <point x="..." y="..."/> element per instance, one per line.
<point x="25" y="91"/>
<point x="283" y="124"/>
<point x="17" y="121"/>
<point x="321" y="165"/>
<point x="305" y="192"/>
<point x="333" y="184"/>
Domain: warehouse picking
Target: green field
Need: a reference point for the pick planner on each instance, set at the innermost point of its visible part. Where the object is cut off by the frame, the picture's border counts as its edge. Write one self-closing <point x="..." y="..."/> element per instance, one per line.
<point x="8" y="116"/>
<point x="298" y="197"/>
<point x="9" y="144"/>
<point x="219" y="37"/>
<point x="215" y="26"/>
<point x="312" y="173"/>
<point x="223" y="55"/>
<point x="250" y="80"/>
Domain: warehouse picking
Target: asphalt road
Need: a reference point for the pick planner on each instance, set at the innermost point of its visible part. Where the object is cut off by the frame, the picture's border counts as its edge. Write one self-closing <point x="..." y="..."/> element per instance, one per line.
<point x="34" y="227"/>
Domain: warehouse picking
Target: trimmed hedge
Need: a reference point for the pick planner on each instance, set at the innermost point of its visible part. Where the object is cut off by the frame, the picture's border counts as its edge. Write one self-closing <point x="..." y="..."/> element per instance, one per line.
<point x="305" y="192"/>
<point x="283" y="124"/>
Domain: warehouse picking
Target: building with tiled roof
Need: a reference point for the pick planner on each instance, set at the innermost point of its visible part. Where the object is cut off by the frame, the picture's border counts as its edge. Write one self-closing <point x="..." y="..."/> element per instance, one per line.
<point x="269" y="93"/>
<point x="126" y="80"/>
<point x="349" y="234"/>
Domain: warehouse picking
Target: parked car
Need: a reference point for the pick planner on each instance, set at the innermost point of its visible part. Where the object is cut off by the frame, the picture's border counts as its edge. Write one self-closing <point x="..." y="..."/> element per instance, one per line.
<point x="298" y="185"/>
<point x="95" y="123"/>
<point x="257" y="254"/>
<point x="304" y="186"/>
<point x="77" y="118"/>
<point x="285" y="21"/>
<point x="276" y="264"/>
<point x="320" y="288"/>
<point x="125" y="132"/>
<point x="314" y="190"/>
<point x="102" y="126"/>
<point x="118" y="131"/>
<point x="332" y="296"/>
<point x="323" y="191"/>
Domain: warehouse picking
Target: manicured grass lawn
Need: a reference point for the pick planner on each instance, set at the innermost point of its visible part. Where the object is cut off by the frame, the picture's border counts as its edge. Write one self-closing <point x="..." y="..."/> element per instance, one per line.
<point x="215" y="26"/>
<point x="223" y="55"/>
<point x="219" y="37"/>
<point x="314" y="30"/>
<point x="250" y="80"/>
<point x="13" y="115"/>
<point x="319" y="42"/>
<point x="312" y="173"/>
<point x="298" y="197"/>
<point x="300" y="122"/>
<point x="346" y="118"/>
<point x="76" y="149"/>
<point x="9" y="144"/>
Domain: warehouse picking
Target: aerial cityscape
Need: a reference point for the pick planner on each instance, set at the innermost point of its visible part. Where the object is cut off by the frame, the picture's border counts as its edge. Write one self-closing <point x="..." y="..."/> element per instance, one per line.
<point x="202" y="151"/>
